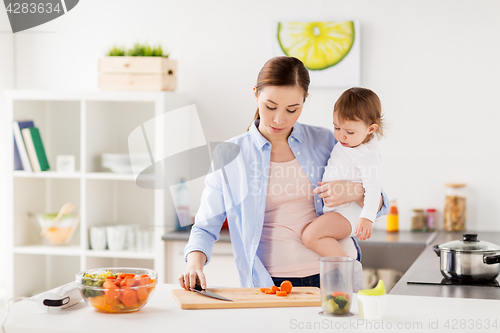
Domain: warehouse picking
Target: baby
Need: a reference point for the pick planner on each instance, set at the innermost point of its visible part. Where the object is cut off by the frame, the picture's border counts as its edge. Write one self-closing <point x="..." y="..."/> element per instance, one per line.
<point x="357" y="120"/>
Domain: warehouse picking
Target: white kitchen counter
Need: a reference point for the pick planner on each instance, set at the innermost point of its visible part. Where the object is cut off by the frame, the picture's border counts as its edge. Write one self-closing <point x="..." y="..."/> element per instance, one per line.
<point x="162" y="314"/>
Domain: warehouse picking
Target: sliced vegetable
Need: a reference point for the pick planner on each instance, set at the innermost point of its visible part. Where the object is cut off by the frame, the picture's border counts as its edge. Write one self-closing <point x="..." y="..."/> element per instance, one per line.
<point x="142" y="281"/>
<point x="129" y="281"/>
<point x="338" y="293"/>
<point x="270" y="291"/>
<point x="142" y="294"/>
<point x="124" y="275"/>
<point x="281" y="293"/>
<point x="263" y="290"/>
<point x="128" y="297"/>
<point x="274" y="288"/>
<point x="112" y="292"/>
<point x="286" y="286"/>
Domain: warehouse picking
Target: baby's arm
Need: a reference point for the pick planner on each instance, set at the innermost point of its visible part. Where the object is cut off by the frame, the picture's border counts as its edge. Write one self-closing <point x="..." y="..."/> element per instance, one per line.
<point x="370" y="168"/>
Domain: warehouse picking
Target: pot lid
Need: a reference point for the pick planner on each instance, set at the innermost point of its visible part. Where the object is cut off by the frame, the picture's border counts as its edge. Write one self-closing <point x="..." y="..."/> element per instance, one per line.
<point x="469" y="243"/>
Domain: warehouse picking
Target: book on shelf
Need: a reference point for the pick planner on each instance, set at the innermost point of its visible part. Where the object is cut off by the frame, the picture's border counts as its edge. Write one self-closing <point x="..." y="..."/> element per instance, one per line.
<point x="34" y="146"/>
<point x="21" y="159"/>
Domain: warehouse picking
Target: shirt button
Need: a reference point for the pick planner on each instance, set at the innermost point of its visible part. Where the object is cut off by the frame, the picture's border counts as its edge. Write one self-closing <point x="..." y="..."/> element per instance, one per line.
<point x="311" y="175"/>
<point x="317" y="200"/>
<point x="291" y="139"/>
<point x="298" y="153"/>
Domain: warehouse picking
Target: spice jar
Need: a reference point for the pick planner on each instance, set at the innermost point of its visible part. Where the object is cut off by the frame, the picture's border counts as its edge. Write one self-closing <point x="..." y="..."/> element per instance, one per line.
<point x="454" y="207"/>
<point x="418" y="220"/>
<point x="431" y="219"/>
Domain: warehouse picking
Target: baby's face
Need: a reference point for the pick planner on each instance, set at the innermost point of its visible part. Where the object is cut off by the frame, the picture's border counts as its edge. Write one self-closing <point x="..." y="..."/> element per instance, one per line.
<point x="351" y="133"/>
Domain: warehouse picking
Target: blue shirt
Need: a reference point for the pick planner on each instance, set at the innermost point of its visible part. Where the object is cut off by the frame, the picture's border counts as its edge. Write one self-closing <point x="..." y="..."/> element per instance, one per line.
<point x="238" y="191"/>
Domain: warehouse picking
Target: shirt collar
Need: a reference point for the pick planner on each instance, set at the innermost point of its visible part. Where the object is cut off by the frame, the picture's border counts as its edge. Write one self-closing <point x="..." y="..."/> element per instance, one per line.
<point x="260" y="141"/>
<point x="297" y="132"/>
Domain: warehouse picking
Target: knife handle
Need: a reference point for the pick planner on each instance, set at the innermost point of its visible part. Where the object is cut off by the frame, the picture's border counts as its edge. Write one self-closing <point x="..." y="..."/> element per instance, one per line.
<point x="198" y="287"/>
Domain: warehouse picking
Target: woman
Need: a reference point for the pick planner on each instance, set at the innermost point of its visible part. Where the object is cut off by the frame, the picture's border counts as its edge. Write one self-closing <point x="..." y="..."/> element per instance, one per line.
<point x="269" y="193"/>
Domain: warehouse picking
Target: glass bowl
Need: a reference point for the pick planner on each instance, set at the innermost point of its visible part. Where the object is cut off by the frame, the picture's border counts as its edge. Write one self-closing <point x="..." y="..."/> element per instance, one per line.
<point x="117" y="289"/>
<point x="61" y="232"/>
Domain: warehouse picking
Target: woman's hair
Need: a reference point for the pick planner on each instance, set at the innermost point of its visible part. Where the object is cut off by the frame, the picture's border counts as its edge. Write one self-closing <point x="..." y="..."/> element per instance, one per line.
<point x="360" y="104"/>
<point x="282" y="71"/>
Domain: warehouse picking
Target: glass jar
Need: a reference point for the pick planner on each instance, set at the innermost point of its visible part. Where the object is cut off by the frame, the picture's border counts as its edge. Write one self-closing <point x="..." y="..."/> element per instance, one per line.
<point x="393" y="218"/>
<point x="454" y="207"/>
<point x="431" y="219"/>
<point x="418" y="220"/>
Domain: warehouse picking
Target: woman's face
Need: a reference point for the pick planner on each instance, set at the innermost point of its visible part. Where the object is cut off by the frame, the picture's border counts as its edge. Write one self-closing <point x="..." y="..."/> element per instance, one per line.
<point x="279" y="109"/>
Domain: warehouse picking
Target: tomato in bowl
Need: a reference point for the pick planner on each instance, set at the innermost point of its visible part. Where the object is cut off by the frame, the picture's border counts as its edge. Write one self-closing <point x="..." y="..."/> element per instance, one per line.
<point x="117" y="290"/>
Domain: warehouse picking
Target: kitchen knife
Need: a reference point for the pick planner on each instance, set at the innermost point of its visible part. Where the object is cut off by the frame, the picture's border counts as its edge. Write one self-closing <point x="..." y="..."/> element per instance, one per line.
<point x="208" y="293"/>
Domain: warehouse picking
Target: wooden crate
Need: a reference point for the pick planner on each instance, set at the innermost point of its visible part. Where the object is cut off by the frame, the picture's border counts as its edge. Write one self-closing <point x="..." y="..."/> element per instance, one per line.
<point x="137" y="73"/>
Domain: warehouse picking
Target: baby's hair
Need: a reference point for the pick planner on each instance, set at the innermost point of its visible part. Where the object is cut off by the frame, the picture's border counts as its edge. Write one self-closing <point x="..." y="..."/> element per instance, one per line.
<point x="360" y="104"/>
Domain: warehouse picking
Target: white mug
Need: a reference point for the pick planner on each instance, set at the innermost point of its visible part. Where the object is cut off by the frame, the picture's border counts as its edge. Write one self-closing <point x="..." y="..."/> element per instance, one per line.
<point x="389" y="276"/>
<point x="98" y="238"/>
<point x="116" y="235"/>
<point x="371" y="307"/>
<point x="370" y="278"/>
<point x="130" y="239"/>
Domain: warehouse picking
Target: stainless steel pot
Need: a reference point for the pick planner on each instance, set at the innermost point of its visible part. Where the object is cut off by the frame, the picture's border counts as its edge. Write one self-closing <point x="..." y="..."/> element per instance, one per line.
<point x="469" y="259"/>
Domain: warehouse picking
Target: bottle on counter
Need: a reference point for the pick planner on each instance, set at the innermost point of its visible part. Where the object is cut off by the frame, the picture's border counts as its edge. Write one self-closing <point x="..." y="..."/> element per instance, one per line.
<point x="431" y="219"/>
<point x="183" y="220"/>
<point x="454" y="207"/>
<point x="393" y="218"/>
<point x="418" y="220"/>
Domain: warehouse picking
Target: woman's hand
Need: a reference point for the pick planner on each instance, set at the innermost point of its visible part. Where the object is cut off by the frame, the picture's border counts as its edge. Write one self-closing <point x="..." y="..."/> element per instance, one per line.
<point x="194" y="272"/>
<point x="340" y="192"/>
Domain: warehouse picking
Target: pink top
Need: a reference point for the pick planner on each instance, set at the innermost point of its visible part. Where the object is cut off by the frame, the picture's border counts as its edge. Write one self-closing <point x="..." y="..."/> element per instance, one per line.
<point x="289" y="209"/>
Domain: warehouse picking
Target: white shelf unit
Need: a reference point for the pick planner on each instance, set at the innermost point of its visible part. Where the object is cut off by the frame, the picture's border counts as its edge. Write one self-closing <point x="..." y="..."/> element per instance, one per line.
<point x="83" y="124"/>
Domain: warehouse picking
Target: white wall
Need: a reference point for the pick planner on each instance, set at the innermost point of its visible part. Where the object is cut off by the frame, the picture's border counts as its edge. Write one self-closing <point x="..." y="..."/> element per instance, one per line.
<point x="434" y="64"/>
<point x="6" y="82"/>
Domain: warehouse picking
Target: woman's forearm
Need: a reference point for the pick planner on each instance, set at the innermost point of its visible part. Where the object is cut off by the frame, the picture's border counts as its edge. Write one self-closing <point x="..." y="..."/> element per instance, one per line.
<point x="196" y="260"/>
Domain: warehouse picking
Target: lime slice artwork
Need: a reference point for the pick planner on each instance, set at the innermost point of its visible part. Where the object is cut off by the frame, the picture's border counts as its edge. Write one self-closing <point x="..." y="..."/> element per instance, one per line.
<point x="319" y="45"/>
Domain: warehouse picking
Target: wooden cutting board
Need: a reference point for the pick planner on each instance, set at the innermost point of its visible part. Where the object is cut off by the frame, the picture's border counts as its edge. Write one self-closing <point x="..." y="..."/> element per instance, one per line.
<point x="247" y="298"/>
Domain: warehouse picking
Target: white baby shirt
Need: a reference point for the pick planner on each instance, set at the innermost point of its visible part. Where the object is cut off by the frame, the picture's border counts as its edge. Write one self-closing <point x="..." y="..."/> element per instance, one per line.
<point x="360" y="164"/>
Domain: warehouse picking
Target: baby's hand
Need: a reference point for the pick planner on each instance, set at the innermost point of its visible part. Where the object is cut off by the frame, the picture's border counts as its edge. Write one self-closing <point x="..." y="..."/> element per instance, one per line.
<point x="364" y="229"/>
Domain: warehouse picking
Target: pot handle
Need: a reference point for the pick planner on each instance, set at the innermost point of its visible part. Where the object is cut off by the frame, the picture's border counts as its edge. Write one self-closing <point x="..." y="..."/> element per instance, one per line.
<point x="437" y="250"/>
<point x="490" y="260"/>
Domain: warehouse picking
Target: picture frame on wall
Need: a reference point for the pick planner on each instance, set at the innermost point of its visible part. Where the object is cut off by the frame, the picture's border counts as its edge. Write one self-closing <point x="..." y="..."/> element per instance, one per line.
<point x="330" y="50"/>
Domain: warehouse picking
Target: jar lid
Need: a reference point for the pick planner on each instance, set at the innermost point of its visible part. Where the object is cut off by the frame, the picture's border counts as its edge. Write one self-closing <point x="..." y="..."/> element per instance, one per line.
<point x="418" y="210"/>
<point x="469" y="243"/>
<point x="431" y="209"/>
<point x="455" y="185"/>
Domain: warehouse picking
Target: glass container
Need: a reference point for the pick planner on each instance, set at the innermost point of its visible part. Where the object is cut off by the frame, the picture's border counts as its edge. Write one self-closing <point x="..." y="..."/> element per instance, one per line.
<point x="431" y="219"/>
<point x="393" y="218"/>
<point x="336" y="276"/>
<point x="455" y="207"/>
<point x="418" y="220"/>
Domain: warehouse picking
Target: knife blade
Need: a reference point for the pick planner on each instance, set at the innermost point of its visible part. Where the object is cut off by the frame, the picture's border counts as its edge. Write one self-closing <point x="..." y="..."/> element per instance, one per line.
<point x="198" y="289"/>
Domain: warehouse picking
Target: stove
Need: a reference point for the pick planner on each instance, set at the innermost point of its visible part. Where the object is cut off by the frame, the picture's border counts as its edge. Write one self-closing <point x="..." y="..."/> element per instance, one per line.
<point x="435" y="277"/>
